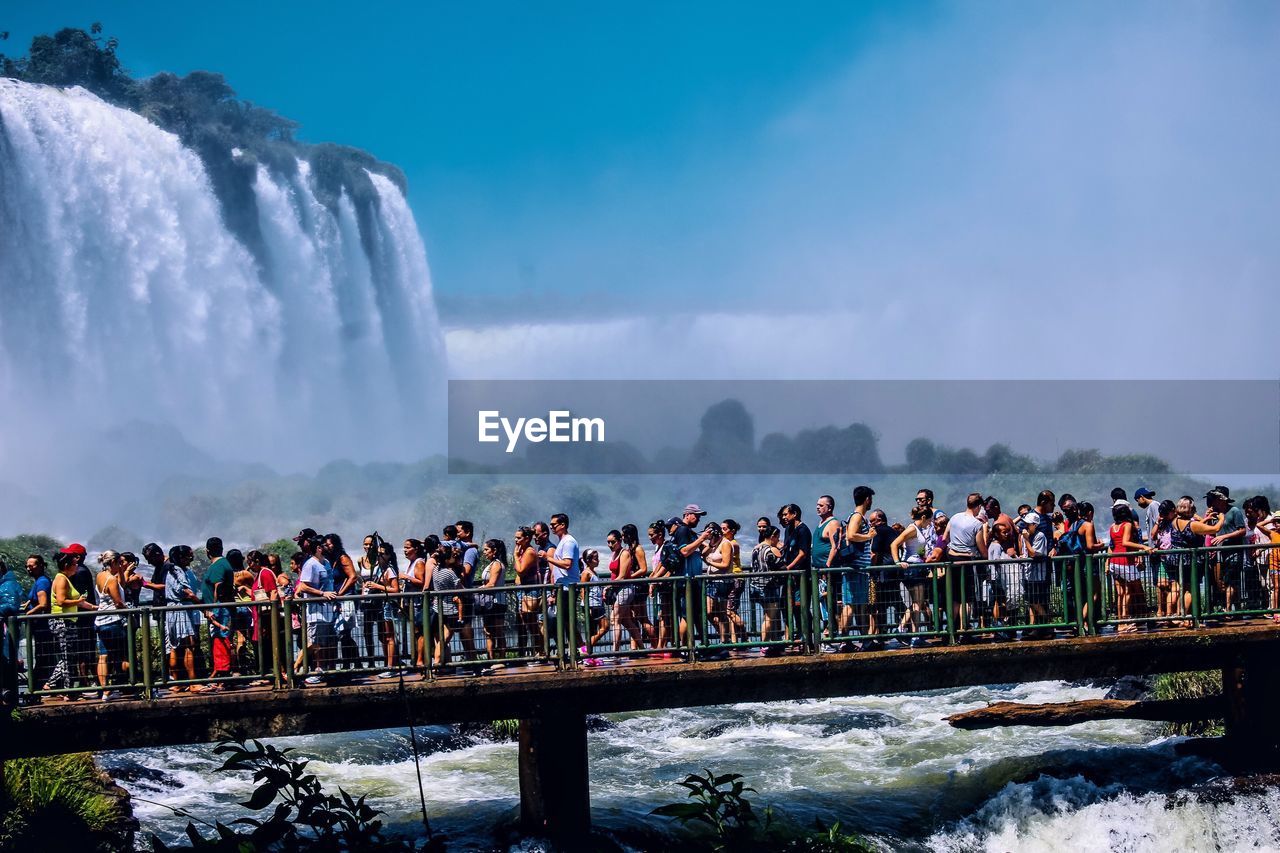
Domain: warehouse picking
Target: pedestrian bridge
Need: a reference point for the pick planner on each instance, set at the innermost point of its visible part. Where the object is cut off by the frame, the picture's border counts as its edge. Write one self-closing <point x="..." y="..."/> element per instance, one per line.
<point x="553" y="704"/>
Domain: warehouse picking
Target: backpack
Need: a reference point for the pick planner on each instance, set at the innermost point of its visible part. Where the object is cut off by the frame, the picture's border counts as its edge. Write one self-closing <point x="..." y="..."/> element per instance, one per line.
<point x="853" y="554"/>
<point x="1071" y="542"/>
<point x="671" y="558"/>
<point x="10" y="595"/>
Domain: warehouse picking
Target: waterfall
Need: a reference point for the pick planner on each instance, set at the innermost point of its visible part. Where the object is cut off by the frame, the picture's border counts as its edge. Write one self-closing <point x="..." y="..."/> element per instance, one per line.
<point x="124" y="297"/>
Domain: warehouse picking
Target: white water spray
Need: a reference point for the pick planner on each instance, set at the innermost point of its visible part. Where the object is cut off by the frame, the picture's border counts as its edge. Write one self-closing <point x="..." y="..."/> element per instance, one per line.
<point x="123" y="296"/>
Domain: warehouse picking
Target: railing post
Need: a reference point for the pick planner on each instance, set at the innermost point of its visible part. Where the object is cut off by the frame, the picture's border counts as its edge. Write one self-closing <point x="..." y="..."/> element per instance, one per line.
<point x="1077" y="591"/>
<point x="30" y="642"/>
<point x="689" y="616"/>
<point x="147" y="693"/>
<point x="428" y="647"/>
<point x="948" y="592"/>
<point x="286" y="615"/>
<point x="9" y="678"/>
<point x="833" y="623"/>
<point x="1090" y="607"/>
<point x="572" y="594"/>
<point x="806" y="612"/>
<point x="1196" y="604"/>
<point x="275" y="642"/>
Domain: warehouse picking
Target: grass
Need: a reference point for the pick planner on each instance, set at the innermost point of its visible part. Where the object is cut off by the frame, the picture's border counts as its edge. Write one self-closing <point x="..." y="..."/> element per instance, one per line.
<point x="1191" y="685"/>
<point x="58" y="803"/>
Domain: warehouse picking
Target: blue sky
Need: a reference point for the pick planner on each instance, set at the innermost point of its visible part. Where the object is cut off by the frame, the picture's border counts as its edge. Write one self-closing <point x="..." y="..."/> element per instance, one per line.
<point x="1049" y="180"/>
<point x="502" y="115"/>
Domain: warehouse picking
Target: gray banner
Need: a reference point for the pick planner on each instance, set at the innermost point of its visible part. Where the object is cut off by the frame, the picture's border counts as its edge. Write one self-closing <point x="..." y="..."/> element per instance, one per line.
<point x="864" y="426"/>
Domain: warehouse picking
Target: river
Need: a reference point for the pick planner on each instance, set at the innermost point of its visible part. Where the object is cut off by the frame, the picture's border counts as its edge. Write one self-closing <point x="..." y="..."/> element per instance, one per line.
<point x="886" y="766"/>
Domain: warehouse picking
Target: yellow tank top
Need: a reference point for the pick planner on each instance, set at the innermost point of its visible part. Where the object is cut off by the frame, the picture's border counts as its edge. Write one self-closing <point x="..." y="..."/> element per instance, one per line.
<point x="737" y="557"/>
<point x="73" y="595"/>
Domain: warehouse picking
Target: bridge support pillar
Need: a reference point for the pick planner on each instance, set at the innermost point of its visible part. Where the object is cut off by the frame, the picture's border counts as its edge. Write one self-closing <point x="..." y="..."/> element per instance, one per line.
<point x="555" y="787"/>
<point x="1251" y="687"/>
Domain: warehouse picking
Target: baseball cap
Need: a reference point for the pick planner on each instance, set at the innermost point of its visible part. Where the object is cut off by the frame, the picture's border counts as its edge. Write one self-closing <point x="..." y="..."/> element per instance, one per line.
<point x="674" y="520"/>
<point x="1144" y="492"/>
<point x="75" y="548"/>
<point x="695" y="509"/>
<point x="1032" y="518"/>
<point x="306" y="533"/>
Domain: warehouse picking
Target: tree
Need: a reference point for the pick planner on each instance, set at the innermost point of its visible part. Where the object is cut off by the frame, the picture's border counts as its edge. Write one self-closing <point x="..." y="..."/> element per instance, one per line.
<point x="726" y="442"/>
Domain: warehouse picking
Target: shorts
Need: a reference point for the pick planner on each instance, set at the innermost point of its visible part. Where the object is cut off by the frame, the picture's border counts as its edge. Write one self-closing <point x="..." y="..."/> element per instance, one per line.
<point x="320" y="633"/>
<point x="596" y="613"/>
<point x="390" y="611"/>
<point x="110" y="641"/>
<point x="718" y="590"/>
<point x="1037" y="592"/>
<point x="855" y="588"/>
<point x="626" y="596"/>
<point x="735" y="594"/>
<point x="768" y="593"/>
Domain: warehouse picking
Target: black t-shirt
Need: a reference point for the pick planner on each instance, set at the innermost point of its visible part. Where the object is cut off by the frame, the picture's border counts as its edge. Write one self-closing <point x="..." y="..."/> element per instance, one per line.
<point x="683" y="536"/>
<point x="881" y="545"/>
<point x="799" y="539"/>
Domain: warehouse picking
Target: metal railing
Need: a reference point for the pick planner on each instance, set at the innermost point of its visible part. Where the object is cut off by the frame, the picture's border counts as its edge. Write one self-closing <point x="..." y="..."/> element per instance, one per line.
<point x="145" y="651"/>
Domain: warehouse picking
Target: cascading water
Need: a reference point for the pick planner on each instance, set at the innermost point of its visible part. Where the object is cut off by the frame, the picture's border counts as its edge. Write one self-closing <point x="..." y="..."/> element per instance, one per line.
<point x="124" y="295"/>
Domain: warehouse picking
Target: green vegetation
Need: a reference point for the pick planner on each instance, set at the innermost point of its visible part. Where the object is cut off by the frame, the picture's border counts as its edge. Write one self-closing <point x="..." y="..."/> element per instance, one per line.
<point x="15" y="550"/>
<point x="719" y="804"/>
<point x="1191" y="685"/>
<point x="298" y="814"/>
<point x="60" y="803"/>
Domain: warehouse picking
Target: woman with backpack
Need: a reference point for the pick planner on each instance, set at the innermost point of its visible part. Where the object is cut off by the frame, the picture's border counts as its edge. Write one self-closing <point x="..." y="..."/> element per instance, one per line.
<point x="1168" y="587"/>
<point x="491" y="605"/>
<point x="768" y="591"/>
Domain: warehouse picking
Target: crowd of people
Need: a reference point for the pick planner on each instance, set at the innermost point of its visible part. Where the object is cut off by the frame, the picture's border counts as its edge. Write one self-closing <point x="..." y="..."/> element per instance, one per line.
<point x="876" y="583"/>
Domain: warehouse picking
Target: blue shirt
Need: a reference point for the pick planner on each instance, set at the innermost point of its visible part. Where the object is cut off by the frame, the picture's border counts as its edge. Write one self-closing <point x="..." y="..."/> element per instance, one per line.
<point x="43" y="584"/>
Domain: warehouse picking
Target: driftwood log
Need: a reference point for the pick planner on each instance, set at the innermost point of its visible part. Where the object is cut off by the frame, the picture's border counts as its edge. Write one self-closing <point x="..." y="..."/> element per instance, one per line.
<point x="1087" y="710"/>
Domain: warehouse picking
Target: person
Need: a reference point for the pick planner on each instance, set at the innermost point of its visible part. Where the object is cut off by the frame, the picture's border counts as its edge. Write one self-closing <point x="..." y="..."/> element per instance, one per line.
<point x="264" y="592"/>
<point x="966" y="541"/>
<point x="768" y="590"/>
<point x="1168" y="593"/>
<point x="108" y="624"/>
<point x="1227" y="566"/>
<point x="491" y="606"/>
<point x="924" y="498"/>
<point x="1270" y="526"/>
<point x="130" y="579"/>
<point x="915" y="546"/>
<point x="719" y="566"/>
<point x="638" y="569"/>
<point x="315" y="582"/>
<point x="421" y="558"/>
<point x="881" y="553"/>
<point x="368" y="608"/>
<point x="855" y="559"/>
<point x="151" y="593"/>
<point x="564" y="563"/>
<point x="597" y="612"/>
<point x="346" y="586"/>
<point x="82" y="657"/>
<point x="39" y="599"/>
<point x="66" y="599"/>
<point x="616" y="590"/>
<point x="10" y="606"/>
<point x="797" y="555"/>
<point x="1125" y="569"/>
<point x="1035" y="544"/>
<point x="446" y="605"/>
<point x="386" y="581"/>
<point x="689" y="543"/>
<point x="1149" y="518"/>
<point x="180" y="627"/>
<point x="827" y="539"/>
<point x="1003" y="545"/>
<point x="667" y="562"/>
<point x="529" y="629"/>
<point x="216" y="589"/>
<point x="470" y="554"/>
<point x="240" y="616"/>
<point x="729" y="530"/>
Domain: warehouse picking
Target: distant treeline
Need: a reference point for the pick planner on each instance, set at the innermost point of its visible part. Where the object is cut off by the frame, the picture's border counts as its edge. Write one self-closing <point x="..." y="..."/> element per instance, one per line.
<point x="726" y="444"/>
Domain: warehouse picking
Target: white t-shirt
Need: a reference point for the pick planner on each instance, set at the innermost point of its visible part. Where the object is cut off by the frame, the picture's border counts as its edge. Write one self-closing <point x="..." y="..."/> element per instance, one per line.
<point x="567" y="549"/>
<point x="963" y="534"/>
<point x="317" y="574"/>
